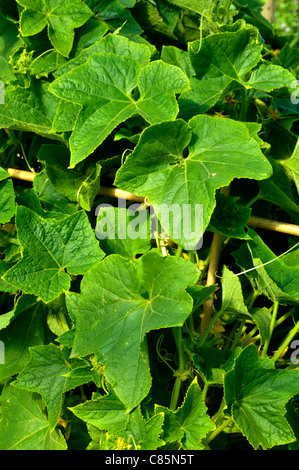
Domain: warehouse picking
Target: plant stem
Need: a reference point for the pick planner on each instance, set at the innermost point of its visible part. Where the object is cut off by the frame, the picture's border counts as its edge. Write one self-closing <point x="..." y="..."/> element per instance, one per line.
<point x="271" y="328"/>
<point x="286" y="342"/>
<point x="218" y="430"/>
<point x="179" y="251"/>
<point x="237" y="336"/>
<point x="208" y="328"/>
<point x="211" y="280"/>
<point x="177" y="333"/>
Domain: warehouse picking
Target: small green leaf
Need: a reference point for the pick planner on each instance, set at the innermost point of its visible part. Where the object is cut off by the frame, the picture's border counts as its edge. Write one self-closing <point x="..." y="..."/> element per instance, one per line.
<point x="229" y="218"/>
<point x="24" y="425"/>
<point x="262" y="318"/>
<point x="49" y="247"/>
<point x="257" y="397"/>
<point x="7" y="197"/>
<point x="232" y="295"/>
<point x="189" y="424"/>
<point x="61" y="18"/>
<point x="278" y="281"/>
<point x="291" y="165"/>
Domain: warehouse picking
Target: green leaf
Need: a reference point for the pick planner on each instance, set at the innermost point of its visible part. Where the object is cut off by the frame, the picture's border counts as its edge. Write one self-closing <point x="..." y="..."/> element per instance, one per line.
<point x="277" y="190"/>
<point x="257" y="397"/>
<point x="218" y="60"/>
<point x="47" y="373"/>
<point x="49" y="248"/>
<point x="110" y="43"/>
<point x="9" y="44"/>
<point x="291" y="165"/>
<point x="200" y="7"/>
<point x="189" y="424"/>
<point x="23" y="303"/>
<point x="7" y="197"/>
<point x="175" y="56"/>
<point x="146" y="433"/>
<point x="24" y="425"/>
<point x="29" y="317"/>
<point x="30" y="109"/>
<point x="278" y="281"/>
<point x="262" y="318"/>
<point x="213" y="363"/>
<point x="107" y="97"/>
<point x="120" y="302"/>
<point x="60" y="17"/>
<point x="51" y="200"/>
<point x="106" y="412"/>
<point x="267" y="77"/>
<point x="229" y="218"/>
<point x="159" y="170"/>
<point x="232" y="295"/>
<point x="75" y="185"/>
<point x="123" y="231"/>
<point x="47" y="62"/>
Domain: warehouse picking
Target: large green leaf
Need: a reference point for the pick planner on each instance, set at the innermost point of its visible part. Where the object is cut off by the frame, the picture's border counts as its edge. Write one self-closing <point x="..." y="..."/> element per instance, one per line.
<point x="224" y="59"/>
<point x="267" y="77"/>
<point x="104" y="85"/>
<point x="47" y="373"/>
<point x="60" y="16"/>
<point x="28" y="316"/>
<point x="30" y="109"/>
<point x="49" y="248"/>
<point x="24" y="425"/>
<point x="108" y="413"/>
<point x="257" y="397"/>
<point x="159" y="170"/>
<point x="9" y="44"/>
<point x="110" y="43"/>
<point x="189" y="424"/>
<point x="120" y="302"/>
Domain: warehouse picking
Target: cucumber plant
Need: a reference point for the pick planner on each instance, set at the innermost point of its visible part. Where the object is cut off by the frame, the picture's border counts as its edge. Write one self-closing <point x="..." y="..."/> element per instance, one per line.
<point x="112" y="335"/>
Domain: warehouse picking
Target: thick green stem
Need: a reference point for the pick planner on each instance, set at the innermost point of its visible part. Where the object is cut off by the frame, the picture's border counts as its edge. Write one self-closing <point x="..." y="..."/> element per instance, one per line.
<point x="286" y="342"/>
<point x="237" y="336"/>
<point x="208" y="328"/>
<point x="271" y="328"/>
<point x="218" y="430"/>
<point x="177" y="333"/>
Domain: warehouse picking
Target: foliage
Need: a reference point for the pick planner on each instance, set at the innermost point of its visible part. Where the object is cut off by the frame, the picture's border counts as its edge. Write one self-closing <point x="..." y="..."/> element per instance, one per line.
<point x="102" y="339"/>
